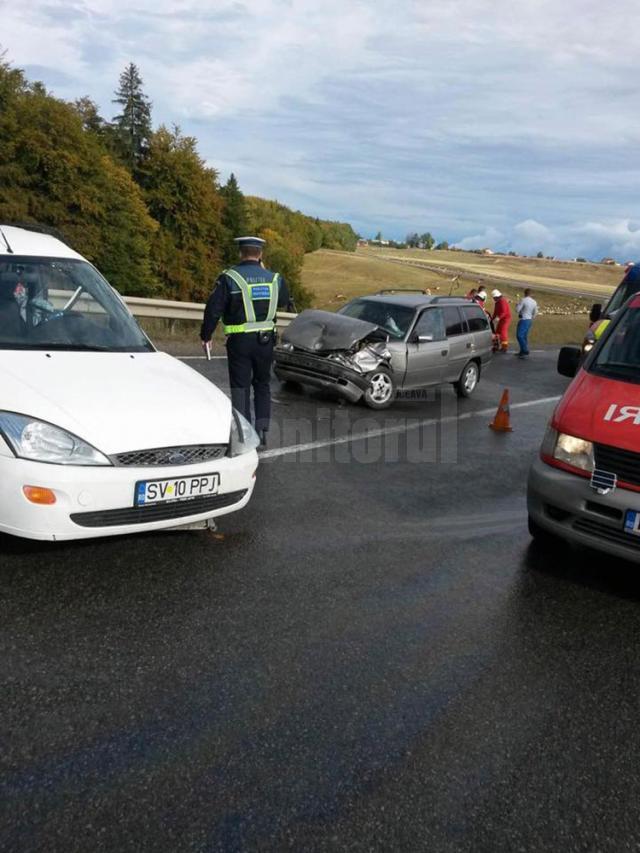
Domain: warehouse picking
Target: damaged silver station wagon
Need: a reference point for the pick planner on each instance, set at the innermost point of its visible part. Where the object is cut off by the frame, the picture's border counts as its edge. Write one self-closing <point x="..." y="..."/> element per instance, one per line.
<point x="378" y="346"/>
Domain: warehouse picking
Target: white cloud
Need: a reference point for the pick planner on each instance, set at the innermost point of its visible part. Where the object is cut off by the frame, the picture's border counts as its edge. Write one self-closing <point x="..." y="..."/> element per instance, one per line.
<point x="619" y="239"/>
<point x="499" y="120"/>
<point x="487" y="239"/>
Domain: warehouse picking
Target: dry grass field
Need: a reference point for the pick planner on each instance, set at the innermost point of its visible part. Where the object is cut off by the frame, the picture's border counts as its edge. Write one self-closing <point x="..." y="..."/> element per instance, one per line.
<point x="587" y="278"/>
<point x="335" y="277"/>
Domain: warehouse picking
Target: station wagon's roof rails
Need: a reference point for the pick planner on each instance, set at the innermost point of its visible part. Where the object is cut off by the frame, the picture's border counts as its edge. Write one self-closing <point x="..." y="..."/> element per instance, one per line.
<point x="403" y="290"/>
<point x="454" y="299"/>
<point x="37" y="228"/>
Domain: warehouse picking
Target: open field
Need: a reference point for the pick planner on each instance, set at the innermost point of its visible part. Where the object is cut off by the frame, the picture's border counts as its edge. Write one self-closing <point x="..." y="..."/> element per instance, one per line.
<point x="336" y="277"/>
<point x="584" y="278"/>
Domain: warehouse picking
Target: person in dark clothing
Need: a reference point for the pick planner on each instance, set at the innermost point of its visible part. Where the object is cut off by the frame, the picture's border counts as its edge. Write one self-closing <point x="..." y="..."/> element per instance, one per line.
<point x="247" y="297"/>
<point x="12" y="326"/>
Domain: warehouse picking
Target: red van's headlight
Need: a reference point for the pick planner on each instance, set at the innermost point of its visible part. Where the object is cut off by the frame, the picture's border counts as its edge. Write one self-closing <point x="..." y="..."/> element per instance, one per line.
<point x="574" y="451"/>
<point x="568" y="450"/>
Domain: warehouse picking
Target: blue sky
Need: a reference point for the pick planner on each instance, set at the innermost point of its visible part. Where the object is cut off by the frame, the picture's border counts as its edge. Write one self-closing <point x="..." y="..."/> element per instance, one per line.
<point x="486" y="122"/>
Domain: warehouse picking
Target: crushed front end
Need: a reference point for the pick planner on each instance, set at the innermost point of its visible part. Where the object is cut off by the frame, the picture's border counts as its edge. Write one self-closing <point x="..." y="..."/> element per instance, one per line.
<point x="332" y="352"/>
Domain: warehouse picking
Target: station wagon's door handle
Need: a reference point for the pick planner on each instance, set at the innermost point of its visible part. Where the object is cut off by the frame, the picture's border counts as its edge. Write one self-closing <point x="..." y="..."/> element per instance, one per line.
<point x="444" y="352"/>
<point x="469" y="345"/>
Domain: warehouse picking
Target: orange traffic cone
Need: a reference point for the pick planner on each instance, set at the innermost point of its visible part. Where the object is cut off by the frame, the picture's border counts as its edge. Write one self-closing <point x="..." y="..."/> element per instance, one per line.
<point x="502" y="420"/>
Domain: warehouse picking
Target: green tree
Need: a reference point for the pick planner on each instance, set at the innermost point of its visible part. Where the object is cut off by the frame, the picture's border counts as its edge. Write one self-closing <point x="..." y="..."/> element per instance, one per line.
<point x="413" y="240"/>
<point x="338" y="235"/>
<point x="54" y="172"/>
<point x="540" y="255"/>
<point x="285" y="256"/>
<point x="427" y="241"/>
<point x="182" y="195"/>
<point x="234" y="218"/>
<point x="443" y="246"/>
<point x="133" y="123"/>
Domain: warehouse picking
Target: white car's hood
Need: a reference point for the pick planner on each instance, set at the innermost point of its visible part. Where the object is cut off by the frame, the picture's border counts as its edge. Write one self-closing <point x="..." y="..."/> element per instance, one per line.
<point x="116" y="401"/>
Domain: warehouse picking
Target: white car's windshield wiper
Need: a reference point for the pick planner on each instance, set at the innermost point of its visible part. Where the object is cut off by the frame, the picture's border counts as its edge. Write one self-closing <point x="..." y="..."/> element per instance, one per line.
<point x="55" y="346"/>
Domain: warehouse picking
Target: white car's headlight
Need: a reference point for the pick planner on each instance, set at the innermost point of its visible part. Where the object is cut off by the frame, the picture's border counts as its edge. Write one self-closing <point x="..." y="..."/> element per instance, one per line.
<point x="40" y="441"/>
<point x="574" y="451"/>
<point x="243" y="436"/>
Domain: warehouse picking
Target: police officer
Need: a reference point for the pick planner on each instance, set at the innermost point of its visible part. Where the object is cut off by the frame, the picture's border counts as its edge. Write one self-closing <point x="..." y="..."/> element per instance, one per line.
<point x="247" y="297"/>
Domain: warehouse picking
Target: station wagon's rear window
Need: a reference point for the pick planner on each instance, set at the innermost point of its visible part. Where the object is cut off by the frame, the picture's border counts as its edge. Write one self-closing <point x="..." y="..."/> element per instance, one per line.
<point x="454" y="322"/>
<point x="477" y="320"/>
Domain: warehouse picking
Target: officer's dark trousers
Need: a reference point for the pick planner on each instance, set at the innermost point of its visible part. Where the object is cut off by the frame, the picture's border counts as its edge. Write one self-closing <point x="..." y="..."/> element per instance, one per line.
<point x="250" y="366"/>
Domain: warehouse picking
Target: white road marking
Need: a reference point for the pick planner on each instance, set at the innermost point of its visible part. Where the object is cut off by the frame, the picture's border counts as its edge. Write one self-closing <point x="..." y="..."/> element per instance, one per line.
<point x="377" y="433"/>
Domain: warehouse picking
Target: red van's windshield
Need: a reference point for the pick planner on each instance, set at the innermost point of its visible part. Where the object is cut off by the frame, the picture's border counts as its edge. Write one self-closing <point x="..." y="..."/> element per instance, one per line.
<point x="619" y="357"/>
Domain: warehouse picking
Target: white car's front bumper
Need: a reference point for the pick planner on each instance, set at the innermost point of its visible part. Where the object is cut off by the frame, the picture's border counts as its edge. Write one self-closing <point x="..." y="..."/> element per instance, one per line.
<point x="99" y="501"/>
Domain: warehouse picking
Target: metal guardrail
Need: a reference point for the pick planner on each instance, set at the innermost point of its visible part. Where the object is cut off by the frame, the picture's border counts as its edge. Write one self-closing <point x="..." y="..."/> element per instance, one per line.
<point x="160" y="309"/>
<point x="166" y="309"/>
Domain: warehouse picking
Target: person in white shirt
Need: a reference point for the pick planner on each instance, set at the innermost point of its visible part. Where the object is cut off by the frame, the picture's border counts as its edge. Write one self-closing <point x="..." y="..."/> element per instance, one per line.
<point x="527" y="310"/>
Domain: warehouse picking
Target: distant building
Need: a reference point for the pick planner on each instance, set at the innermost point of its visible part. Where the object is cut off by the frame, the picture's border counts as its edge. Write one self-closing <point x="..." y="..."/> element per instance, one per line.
<point x="362" y="243"/>
<point x="487" y="252"/>
<point x="610" y="262"/>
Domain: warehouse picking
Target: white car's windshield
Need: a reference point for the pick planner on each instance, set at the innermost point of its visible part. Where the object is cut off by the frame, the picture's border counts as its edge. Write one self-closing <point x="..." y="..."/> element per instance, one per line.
<point x="394" y="319"/>
<point x="619" y="357"/>
<point x="48" y="303"/>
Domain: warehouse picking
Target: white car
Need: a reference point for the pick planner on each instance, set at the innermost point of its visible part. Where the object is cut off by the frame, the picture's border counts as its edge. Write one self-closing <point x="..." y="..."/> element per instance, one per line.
<point x="100" y="434"/>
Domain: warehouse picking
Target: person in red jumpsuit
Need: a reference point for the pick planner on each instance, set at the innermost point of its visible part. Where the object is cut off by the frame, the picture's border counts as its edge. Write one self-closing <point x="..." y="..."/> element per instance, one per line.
<point x="501" y="318"/>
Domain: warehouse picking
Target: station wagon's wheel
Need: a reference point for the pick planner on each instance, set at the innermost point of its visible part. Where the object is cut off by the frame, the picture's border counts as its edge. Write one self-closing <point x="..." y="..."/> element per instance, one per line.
<point x="466" y="385"/>
<point x="381" y="390"/>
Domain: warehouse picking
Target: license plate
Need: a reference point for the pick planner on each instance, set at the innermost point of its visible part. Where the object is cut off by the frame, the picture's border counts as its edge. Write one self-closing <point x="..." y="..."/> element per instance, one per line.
<point x="175" y="489"/>
<point x="632" y="522"/>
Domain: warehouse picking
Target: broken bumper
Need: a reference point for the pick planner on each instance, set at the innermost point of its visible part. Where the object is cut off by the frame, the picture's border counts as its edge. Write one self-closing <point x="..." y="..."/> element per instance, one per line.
<point x="320" y="372"/>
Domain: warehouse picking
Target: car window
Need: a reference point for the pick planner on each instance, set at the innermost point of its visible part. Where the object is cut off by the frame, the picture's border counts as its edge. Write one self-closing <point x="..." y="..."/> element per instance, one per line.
<point x="395" y="320"/>
<point x="477" y="320"/>
<point x="62" y="304"/>
<point x="454" y="323"/>
<point x="627" y="287"/>
<point x="431" y="324"/>
<point x="619" y="357"/>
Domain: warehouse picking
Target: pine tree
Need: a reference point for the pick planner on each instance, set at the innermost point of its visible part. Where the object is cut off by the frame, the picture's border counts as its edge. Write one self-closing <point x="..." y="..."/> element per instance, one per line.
<point x="234" y="218"/>
<point x="133" y="124"/>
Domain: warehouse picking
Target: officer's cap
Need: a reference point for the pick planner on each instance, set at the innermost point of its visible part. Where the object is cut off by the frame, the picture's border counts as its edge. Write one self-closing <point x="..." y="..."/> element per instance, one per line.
<point x="253" y="242"/>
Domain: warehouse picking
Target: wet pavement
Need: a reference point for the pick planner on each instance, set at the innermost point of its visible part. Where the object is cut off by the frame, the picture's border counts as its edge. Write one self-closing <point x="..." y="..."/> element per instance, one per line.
<point x="371" y="656"/>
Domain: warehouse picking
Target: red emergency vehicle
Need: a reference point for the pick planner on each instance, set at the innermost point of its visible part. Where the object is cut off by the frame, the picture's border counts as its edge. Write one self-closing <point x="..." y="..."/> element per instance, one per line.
<point x="585" y="486"/>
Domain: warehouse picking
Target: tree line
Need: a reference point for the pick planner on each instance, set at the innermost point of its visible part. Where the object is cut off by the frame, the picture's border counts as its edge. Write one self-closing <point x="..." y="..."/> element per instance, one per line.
<point x="140" y="203"/>
<point x="412" y="241"/>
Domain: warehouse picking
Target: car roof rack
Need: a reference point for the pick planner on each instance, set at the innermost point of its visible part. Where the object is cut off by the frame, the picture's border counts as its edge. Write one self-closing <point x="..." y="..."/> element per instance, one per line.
<point x="38" y="228"/>
<point x="402" y="290"/>
<point x="450" y="299"/>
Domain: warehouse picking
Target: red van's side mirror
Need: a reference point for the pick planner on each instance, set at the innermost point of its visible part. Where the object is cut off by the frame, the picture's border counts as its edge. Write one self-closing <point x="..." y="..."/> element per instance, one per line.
<point x="569" y="361"/>
<point x="596" y="312"/>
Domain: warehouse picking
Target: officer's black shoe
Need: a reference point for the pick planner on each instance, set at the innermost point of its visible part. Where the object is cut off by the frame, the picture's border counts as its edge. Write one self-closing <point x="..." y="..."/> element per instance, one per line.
<point x="263" y="440"/>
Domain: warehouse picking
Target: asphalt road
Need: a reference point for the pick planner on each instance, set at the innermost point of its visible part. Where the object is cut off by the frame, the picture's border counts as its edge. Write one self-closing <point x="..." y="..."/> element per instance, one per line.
<point x="370" y="657"/>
